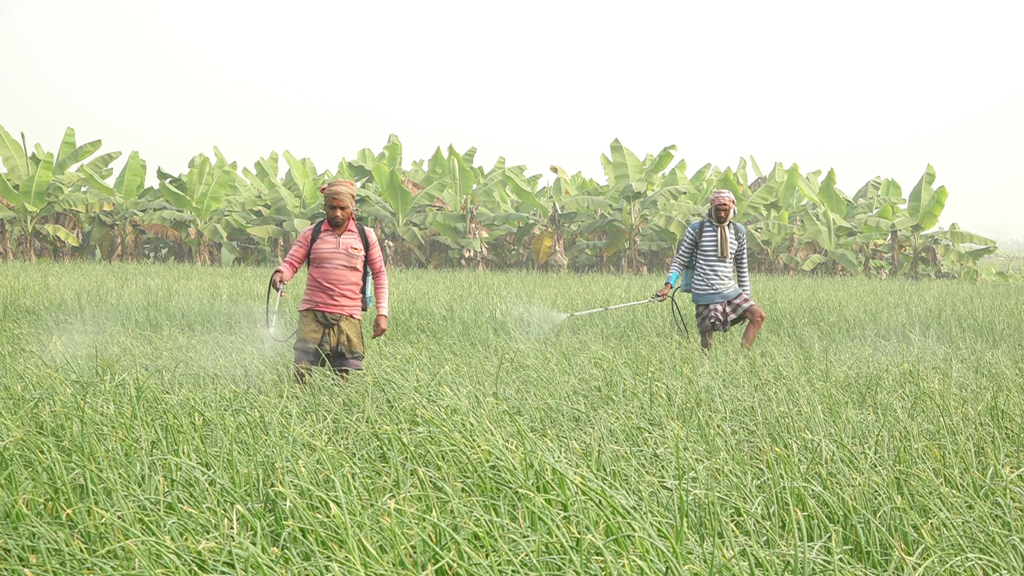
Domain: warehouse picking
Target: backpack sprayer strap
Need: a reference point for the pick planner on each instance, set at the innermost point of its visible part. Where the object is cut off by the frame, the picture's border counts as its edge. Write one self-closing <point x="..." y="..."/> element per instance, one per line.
<point x="366" y="265"/>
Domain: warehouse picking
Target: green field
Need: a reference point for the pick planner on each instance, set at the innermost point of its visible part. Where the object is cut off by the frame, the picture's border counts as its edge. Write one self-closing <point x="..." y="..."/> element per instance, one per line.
<point x="147" y="424"/>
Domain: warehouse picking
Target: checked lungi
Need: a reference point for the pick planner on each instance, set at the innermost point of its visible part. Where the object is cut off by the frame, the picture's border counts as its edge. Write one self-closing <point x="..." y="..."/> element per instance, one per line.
<point x="720" y="316"/>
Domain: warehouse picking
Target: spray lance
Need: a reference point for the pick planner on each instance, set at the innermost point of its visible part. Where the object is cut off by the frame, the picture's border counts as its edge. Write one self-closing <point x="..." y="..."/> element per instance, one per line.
<point x="271" y="319"/>
<point x="584" y="312"/>
<point x="677" y="313"/>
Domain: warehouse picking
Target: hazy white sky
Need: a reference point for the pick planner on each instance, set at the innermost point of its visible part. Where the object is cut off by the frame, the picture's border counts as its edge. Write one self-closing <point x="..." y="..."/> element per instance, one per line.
<point x="868" y="88"/>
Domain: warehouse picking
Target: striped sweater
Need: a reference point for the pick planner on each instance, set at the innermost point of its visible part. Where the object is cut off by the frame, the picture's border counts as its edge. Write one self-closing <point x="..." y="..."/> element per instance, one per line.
<point x="713" y="277"/>
<point x="336" y="270"/>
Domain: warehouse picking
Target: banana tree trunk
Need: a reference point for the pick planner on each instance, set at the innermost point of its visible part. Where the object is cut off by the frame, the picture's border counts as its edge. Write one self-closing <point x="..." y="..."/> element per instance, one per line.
<point x="604" y="256"/>
<point x="636" y="264"/>
<point x="931" y="254"/>
<point x="27" y="253"/>
<point x="387" y="246"/>
<point x="792" y="252"/>
<point x="560" y="262"/>
<point x="115" y="251"/>
<point x="558" y="245"/>
<point x="894" y="240"/>
<point x="203" y="252"/>
<point x="138" y="248"/>
<point x="125" y="244"/>
<point x="5" y="242"/>
<point x="915" y="256"/>
<point x="50" y="249"/>
<point x="472" y="233"/>
<point x="181" y="252"/>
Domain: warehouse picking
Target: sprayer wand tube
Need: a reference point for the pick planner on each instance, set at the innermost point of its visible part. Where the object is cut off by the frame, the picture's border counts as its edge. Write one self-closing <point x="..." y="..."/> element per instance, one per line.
<point x="610" y="308"/>
<point x="273" y="319"/>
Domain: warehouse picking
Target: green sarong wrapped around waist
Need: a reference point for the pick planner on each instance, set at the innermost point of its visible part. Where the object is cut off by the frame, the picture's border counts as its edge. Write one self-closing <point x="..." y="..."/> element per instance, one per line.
<point x="333" y="335"/>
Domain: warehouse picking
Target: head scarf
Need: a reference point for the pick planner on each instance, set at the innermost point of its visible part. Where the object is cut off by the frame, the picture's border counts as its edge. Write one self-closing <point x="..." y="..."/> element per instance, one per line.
<point x="343" y="189"/>
<point x="719" y="198"/>
<point x="723" y="197"/>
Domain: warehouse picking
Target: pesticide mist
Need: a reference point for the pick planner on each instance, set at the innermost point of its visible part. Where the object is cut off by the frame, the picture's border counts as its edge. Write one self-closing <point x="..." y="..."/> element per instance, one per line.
<point x="535" y="321"/>
<point x="532" y="321"/>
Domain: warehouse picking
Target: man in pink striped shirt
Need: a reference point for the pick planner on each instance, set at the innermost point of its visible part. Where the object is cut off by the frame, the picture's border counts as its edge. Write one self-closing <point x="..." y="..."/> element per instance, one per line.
<point x="329" y="332"/>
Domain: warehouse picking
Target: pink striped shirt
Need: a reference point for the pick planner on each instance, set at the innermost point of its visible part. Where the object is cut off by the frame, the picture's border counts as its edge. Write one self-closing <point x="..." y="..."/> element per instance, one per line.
<point x="336" y="270"/>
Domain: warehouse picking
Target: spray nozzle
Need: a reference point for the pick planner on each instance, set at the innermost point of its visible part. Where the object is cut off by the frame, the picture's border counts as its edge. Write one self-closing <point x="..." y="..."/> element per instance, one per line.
<point x="657" y="297"/>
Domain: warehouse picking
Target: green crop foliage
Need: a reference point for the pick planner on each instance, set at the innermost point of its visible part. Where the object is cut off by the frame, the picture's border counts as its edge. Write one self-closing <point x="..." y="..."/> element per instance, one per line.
<point x="148" y="425"/>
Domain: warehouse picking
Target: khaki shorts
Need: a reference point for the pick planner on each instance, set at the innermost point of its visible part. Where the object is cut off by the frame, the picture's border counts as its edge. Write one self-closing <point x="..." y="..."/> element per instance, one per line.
<point x="327" y="339"/>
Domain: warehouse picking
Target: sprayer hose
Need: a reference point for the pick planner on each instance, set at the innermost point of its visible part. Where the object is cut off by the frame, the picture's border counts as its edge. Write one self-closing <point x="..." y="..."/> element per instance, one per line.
<point x="266" y="316"/>
<point x="677" y="315"/>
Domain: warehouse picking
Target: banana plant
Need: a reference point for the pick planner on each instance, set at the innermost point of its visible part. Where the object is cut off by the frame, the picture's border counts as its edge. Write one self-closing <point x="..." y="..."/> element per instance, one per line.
<point x="956" y="253"/>
<point x="199" y="197"/>
<point x="905" y="227"/>
<point x="40" y="192"/>
<point x="924" y="206"/>
<point x="625" y="206"/>
<point x="446" y="211"/>
<point x="575" y="202"/>
<point x="545" y="232"/>
<point x="399" y="214"/>
<point x="455" y="224"/>
<point x="279" y="209"/>
<point x="889" y="218"/>
<point x="506" y="213"/>
<point x="828" y="228"/>
<point x="122" y="223"/>
<point x="868" y="242"/>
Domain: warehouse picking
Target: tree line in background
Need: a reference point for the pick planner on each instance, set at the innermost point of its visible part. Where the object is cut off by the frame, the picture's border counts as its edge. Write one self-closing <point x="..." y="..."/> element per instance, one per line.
<point x="446" y="211"/>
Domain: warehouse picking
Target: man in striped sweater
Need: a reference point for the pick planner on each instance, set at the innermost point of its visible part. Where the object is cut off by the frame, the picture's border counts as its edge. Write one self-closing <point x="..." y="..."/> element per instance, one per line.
<point x="720" y="250"/>
<point x="329" y="331"/>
